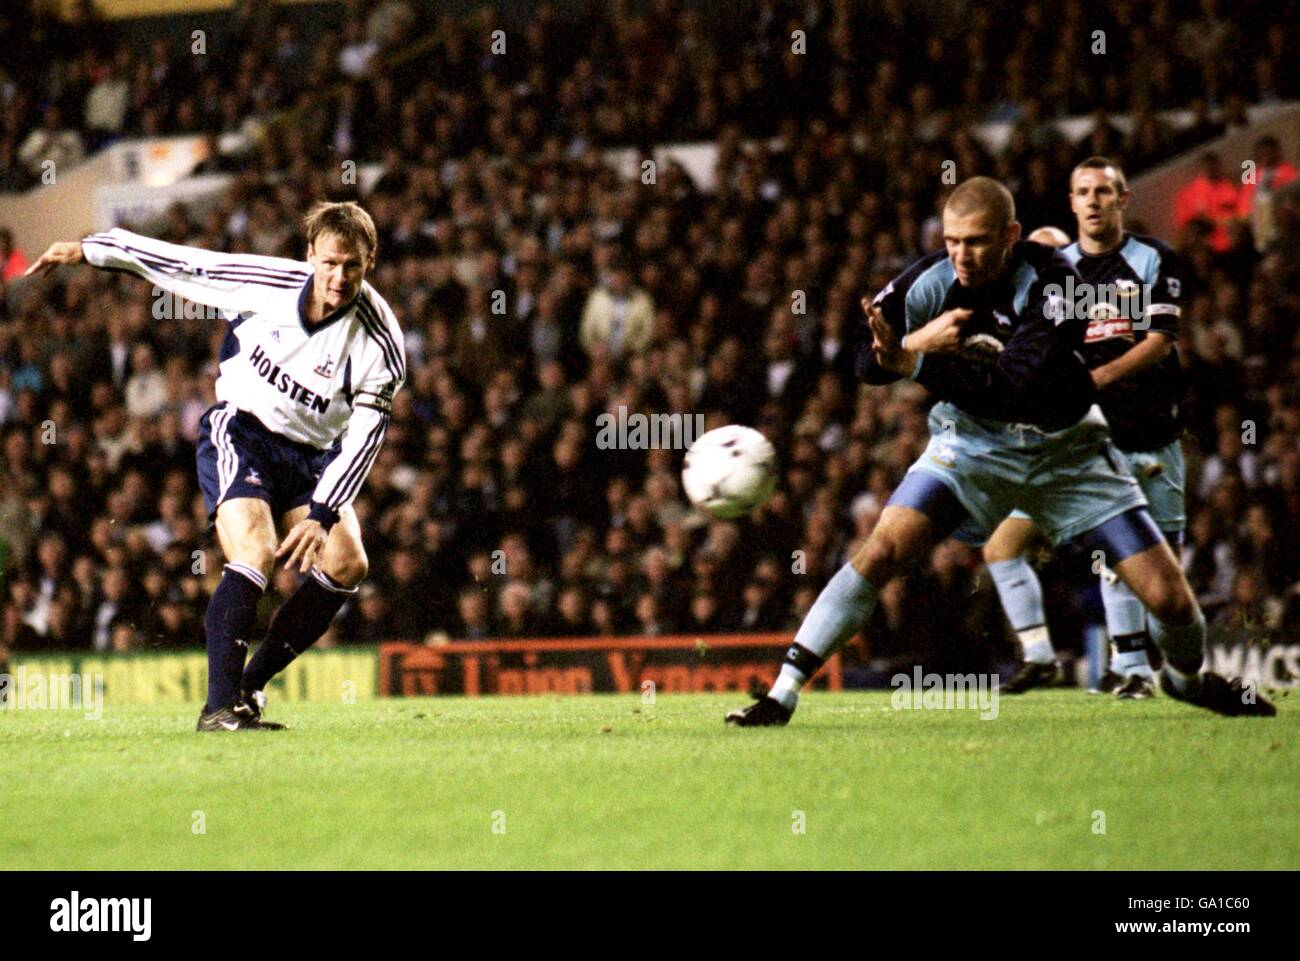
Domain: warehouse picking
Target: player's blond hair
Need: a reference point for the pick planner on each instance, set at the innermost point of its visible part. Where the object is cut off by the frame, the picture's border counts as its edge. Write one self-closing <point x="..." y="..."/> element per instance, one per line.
<point x="347" y="220"/>
<point x="983" y="195"/>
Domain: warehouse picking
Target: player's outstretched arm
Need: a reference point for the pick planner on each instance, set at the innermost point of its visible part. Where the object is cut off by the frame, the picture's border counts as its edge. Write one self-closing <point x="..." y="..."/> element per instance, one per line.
<point x="897" y="312"/>
<point x="61" y="252"/>
<point x="229" y="282"/>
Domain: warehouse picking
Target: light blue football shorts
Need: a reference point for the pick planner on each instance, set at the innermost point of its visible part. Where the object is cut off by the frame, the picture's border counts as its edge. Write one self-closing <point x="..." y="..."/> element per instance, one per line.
<point x="1068" y="481"/>
<point x="1161" y="474"/>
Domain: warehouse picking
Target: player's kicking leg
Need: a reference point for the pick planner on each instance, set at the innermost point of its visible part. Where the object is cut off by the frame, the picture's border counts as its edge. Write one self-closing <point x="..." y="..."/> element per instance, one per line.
<point x="840" y="611"/>
<point x="246" y="532"/>
<point x="307" y="614"/>
<point x="1021" y="593"/>
<point x="921" y="511"/>
<point x="1142" y="559"/>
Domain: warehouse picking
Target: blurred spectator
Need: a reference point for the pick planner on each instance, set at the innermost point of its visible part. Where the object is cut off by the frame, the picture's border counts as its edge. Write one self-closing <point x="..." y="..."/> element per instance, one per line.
<point x="107" y="102"/>
<point x="1211" y="197"/>
<point x="124" y="638"/>
<point x="759" y="613"/>
<point x="357" y="50"/>
<point x="570" y="618"/>
<point x="1251" y="613"/>
<point x="410" y="616"/>
<point x="1258" y="195"/>
<point x="365" y="621"/>
<point x="648" y="623"/>
<point x="619" y="318"/>
<point x="51" y="147"/>
<point x="115" y="607"/>
<point x="12" y="260"/>
<point x="146" y="388"/>
<point x="1231" y="456"/>
<point x="704" y="617"/>
<point x="515" y="620"/>
<point x="474" y="622"/>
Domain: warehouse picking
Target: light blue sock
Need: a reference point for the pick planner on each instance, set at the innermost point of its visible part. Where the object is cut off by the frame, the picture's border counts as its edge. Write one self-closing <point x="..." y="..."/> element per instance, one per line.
<point x="1126" y="623"/>
<point x="1183" y="646"/>
<point x="1021" y="595"/>
<point x="840" y="611"/>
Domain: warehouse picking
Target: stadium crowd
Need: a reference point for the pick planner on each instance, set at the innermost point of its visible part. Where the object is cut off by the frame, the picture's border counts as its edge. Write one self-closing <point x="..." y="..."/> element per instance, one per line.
<point x="364" y="74"/>
<point x="538" y="288"/>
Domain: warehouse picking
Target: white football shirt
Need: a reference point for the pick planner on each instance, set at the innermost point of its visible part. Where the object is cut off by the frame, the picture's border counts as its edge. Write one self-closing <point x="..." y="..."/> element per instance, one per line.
<point x="312" y="384"/>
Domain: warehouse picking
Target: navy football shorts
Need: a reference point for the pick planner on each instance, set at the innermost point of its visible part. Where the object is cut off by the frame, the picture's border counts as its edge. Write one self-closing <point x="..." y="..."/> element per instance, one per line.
<point x="239" y="457"/>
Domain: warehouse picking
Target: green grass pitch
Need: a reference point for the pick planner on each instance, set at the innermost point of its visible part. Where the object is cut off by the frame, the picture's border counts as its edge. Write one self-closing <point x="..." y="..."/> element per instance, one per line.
<point x="610" y="782"/>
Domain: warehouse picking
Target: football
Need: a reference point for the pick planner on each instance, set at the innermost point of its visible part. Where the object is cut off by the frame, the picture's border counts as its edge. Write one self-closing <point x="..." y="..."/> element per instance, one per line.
<point x="729" y="471"/>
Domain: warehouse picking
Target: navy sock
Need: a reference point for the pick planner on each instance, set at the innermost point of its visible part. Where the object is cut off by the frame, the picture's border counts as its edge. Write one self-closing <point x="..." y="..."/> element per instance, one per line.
<point x="296" y="626"/>
<point x="230" y="619"/>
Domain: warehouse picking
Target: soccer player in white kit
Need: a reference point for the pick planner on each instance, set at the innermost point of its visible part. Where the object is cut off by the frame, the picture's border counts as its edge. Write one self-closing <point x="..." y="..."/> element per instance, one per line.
<point x="308" y="370"/>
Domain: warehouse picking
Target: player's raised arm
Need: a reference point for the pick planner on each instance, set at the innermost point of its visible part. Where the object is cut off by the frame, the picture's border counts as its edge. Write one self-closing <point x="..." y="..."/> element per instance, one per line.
<point x="903" y="306"/>
<point x="232" y="282"/>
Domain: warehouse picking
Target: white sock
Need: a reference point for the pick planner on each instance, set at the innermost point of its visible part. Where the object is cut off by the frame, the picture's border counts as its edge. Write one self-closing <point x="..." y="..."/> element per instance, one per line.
<point x="1128" y="663"/>
<point x="839" y="612"/>
<point x="1037" y="645"/>
<point x="786" y="688"/>
<point x="1021" y="595"/>
<point x="1126" y="623"/>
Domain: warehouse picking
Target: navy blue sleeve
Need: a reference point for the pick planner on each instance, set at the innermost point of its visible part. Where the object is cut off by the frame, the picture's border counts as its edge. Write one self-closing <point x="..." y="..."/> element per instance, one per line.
<point x="891" y="301"/>
<point x="1165" y="303"/>
<point x="906" y="307"/>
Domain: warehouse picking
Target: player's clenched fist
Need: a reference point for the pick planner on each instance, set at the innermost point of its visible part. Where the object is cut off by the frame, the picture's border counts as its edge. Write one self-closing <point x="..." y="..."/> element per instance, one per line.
<point x="63" y="252"/>
<point x="939" y="335"/>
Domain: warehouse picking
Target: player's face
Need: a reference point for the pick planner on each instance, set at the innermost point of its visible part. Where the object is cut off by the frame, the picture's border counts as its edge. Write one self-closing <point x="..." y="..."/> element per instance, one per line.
<point x="1097" y="202"/>
<point x="339" y="270"/>
<point x="977" y="246"/>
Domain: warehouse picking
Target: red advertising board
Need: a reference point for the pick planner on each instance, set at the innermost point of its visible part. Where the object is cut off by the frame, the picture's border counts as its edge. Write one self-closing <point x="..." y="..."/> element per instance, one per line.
<point x="585" y="665"/>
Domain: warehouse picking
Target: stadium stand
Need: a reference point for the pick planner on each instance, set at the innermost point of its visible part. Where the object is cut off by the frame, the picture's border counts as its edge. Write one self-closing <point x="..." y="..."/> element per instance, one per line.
<point x="492" y="180"/>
